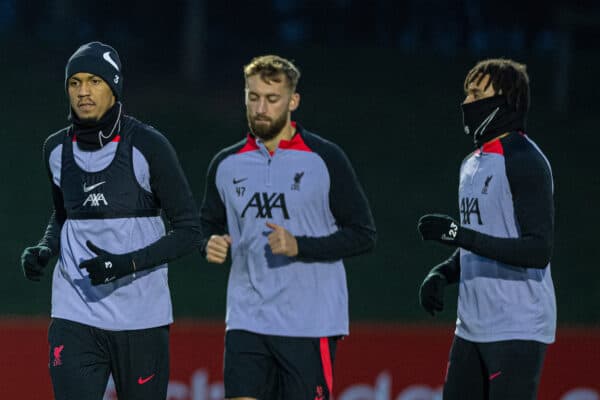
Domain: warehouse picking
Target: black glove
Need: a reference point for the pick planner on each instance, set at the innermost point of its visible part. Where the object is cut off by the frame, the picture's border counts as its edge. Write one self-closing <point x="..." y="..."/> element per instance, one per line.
<point x="441" y="228"/>
<point x="34" y="260"/>
<point x="107" y="266"/>
<point x="431" y="292"/>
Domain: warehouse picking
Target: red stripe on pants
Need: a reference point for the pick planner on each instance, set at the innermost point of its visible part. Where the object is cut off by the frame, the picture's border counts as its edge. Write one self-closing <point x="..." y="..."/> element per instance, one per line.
<point x="326" y="363"/>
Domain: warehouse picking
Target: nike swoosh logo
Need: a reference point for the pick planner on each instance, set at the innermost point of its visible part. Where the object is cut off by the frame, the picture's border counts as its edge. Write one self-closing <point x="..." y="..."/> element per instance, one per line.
<point x="236" y="181"/>
<point x="90" y="188"/>
<point x="495" y="375"/>
<point x="108" y="58"/>
<point x="141" y="380"/>
<point x="481" y="128"/>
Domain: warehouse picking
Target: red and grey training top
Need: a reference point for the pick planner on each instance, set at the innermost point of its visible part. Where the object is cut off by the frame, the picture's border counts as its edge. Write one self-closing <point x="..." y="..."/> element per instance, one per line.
<point x="506" y="203"/>
<point x="308" y="186"/>
<point x="112" y="196"/>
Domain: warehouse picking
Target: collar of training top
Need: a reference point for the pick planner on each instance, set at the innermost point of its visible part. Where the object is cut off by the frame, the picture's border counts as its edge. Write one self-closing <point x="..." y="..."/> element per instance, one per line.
<point x="295" y="143"/>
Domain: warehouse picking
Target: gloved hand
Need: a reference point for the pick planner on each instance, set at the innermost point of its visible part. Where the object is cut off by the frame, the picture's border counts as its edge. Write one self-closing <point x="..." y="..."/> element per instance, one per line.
<point x="441" y="228"/>
<point x="107" y="266"/>
<point x="431" y="292"/>
<point x="34" y="260"/>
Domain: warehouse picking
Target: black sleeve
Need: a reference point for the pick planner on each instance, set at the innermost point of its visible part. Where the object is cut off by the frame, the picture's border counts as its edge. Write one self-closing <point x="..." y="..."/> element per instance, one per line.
<point x="51" y="238"/>
<point x="356" y="232"/>
<point x="450" y="268"/>
<point x="530" y="180"/>
<point x="213" y="216"/>
<point x="170" y="186"/>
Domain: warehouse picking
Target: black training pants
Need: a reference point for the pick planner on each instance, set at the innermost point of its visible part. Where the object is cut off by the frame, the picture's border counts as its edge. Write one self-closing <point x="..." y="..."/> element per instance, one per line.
<point x="501" y="370"/>
<point x="82" y="358"/>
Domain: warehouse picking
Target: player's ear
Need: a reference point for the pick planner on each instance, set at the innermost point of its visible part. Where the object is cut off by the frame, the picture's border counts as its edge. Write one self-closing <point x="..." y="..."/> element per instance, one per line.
<point x="294" y="102"/>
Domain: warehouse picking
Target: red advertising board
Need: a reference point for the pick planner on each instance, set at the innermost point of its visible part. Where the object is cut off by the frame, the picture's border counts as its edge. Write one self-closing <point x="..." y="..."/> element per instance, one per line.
<point x="376" y="362"/>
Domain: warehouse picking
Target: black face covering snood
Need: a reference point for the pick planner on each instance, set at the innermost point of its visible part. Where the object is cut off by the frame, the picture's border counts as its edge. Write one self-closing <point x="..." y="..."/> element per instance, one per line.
<point x="92" y="135"/>
<point x="487" y="118"/>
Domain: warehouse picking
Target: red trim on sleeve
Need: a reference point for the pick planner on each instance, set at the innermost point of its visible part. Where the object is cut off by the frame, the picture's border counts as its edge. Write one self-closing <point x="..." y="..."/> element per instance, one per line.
<point x="494" y="146"/>
<point x="326" y="363"/>
<point x="250" y="145"/>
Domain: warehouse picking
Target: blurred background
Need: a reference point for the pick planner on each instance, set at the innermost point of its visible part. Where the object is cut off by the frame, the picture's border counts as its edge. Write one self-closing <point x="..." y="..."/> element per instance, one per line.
<point x="381" y="78"/>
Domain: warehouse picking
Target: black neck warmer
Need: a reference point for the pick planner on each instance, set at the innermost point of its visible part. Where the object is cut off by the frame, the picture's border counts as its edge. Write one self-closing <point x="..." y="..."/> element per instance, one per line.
<point x="487" y="118"/>
<point x="92" y="135"/>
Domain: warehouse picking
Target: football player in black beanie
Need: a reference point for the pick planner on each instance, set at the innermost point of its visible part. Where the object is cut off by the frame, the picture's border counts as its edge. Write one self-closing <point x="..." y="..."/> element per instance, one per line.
<point x="503" y="240"/>
<point x="111" y="177"/>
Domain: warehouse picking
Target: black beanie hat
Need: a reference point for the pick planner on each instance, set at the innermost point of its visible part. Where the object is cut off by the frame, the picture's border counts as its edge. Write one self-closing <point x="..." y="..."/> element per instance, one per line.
<point x="99" y="59"/>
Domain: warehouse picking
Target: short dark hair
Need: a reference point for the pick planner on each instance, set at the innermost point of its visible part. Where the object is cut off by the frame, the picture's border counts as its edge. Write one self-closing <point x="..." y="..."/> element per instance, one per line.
<point x="508" y="78"/>
<point x="271" y="67"/>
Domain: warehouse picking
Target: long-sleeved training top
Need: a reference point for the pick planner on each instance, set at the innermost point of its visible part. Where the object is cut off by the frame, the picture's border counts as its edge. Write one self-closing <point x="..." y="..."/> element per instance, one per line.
<point x="506" y="204"/>
<point x="113" y="197"/>
<point x="309" y="187"/>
